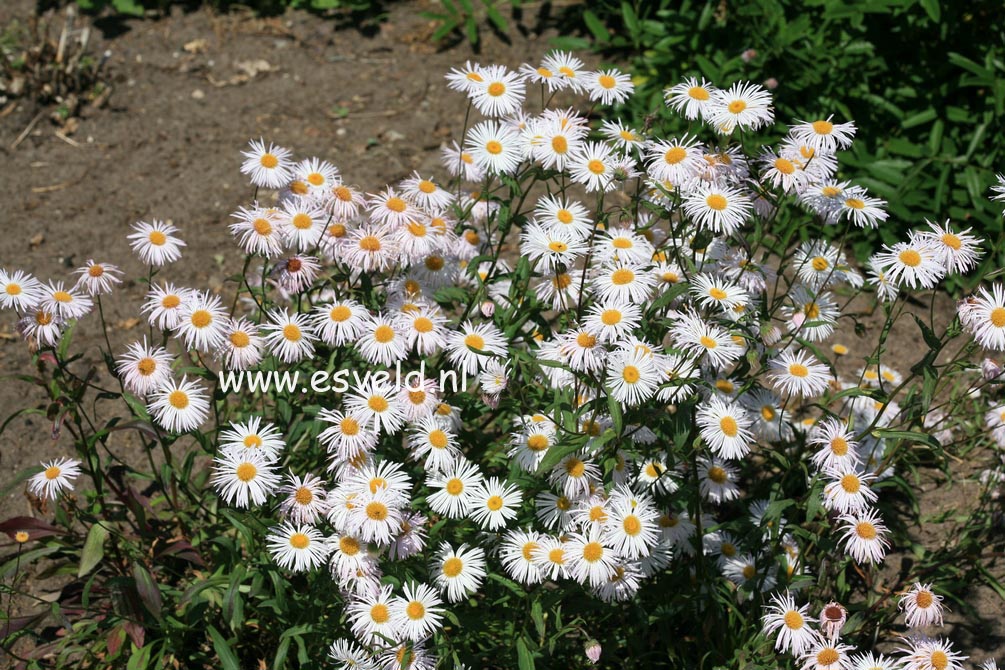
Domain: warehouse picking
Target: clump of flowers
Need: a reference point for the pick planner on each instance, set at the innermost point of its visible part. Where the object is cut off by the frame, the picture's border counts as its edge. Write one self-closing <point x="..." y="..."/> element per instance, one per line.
<point x="621" y="385"/>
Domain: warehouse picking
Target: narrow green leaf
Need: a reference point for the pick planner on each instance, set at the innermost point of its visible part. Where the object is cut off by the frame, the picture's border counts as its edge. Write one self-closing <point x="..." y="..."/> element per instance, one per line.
<point x="525" y="659"/>
<point x="228" y="660"/>
<point x="94" y="549"/>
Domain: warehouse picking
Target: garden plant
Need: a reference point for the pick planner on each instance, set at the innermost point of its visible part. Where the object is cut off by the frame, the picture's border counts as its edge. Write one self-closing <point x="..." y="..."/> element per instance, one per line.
<point x="586" y="396"/>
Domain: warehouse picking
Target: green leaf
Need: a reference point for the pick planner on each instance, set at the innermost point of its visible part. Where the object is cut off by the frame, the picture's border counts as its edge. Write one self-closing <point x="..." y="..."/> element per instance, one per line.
<point x="933" y="9"/>
<point x="596" y="27"/>
<point x="228" y="660"/>
<point x="525" y="659"/>
<point x="537" y="616"/>
<point x="150" y="595"/>
<point x="94" y="549"/>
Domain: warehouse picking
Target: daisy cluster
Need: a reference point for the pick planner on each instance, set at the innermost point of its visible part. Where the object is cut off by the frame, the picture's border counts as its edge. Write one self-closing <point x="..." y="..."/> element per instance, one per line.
<point x="640" y="296"/>
<point x="819" y="646"/>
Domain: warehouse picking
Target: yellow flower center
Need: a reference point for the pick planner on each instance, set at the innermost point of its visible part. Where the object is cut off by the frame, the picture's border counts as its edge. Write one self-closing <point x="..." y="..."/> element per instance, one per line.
<point x="494" y="503"/>
<point x="697" y="93"/>
<point x="607" y="81"/>
<point x="379" y="613"/>
<point x="178" y="399"/>
<point x="452" y="566"/>
<point x="62" y="296"/>
<point x="438" y="439"/>
<point x="855" y="203"/>
<point x="866" y="530"/>
<point x="170" y="301"/>
<point x="376" y="511"/>
<point x="784" y="166"/>
<point x="822" y="127"/>
<point x="820" y="263"/>
<point x="303" y="496"/>
<point x="839" y="446"/>
<point x="474" y="341"/>
<point x="850" y="483"/>
<point x="383" y="333"/>
<point x="728" y="426"/>
<point x="557" y="556"/>
<point x="299" y="541"/>
<point x="630" y="374"/>
<point x="952" y="241"/>
<point x="239" y="339"/>
<point x="717" y="474"/>
<point x="998" y="317"/>
<point x="302" y="221"/>
<point x="369" y="243"/>
<point x="717" y="293"/>
<point x="454" y="487"/>
<point x="252" y="441"/>
<point x="146" y="366"/>
<point x="246" y="472"/>
<point x="593" y="552"/>
<point x="768" y="413"/>
<point x="13" y="289"/>
<point x="632" y="525"/>
<point x="157" y="238"/>
<point x="924" y="599"/>
<point x="737" y="106"/>
<point x="596" y="167"/>
<point x="558" y="247"/>
<point x="716" y="201"/>
<point x="559" y="144"/>
<point x="52" y="472"/>
<point x="827" y="656"/>
<point x="496" y="88"/>
<point x="349" y="426"/>
<point x="798" y="370"/>
<point x="201" y="318"/>
<point x="622" y="276"/>
<point x="910" y="257"/>
<point x="268" y="161"/>
<point x="793" y="620"/>
<point x="291" y="332"/>
<point x="415" y="610"/>
<point x="537" y="442"/>
<point x="493" y="147"/>
<point x="575" y="468"/>
<point x="708" y="342"/>
<point x="674" y="155"/>
<point x="377" y="403"/>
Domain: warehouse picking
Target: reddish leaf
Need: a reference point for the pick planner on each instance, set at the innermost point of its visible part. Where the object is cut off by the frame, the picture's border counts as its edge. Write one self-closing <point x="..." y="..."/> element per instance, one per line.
<point x="135" y="632"/>
<point x="36" y="528"/>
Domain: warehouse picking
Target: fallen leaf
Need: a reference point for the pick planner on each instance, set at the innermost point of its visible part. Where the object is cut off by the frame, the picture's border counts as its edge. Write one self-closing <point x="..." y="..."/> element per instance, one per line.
<point x="36" y="240"/>
<point x="127" y="324"/>
<point x="195" y="46"/>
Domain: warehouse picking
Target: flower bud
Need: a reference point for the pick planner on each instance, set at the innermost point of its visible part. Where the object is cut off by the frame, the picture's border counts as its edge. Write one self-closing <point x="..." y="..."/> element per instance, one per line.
<point x="593" y="650"/>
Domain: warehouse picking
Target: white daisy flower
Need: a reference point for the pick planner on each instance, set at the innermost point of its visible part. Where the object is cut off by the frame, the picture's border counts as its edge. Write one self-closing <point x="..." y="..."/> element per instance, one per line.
<point x="164" y="304"/>
<point x="494" y="147"/>
<point x="339" y="323"/>
<point x="470" y="347"/>
<point x="64" y="303"/>
<point x="864" y="537"/>
<point x="924" y="653"/>
<point x="624" y="282"/>
<point x="848" y="492"/>
<point x="306" y="499"/>
<point x="299" y="548"/>
<point x="677" y="161"/>
<point x="19" y="290"/>
<point x="633" y="526"/>
<point x="960" y="251"/>
<point x="983" y="315"/>
<point x="179" y="406"/>
<point x="370" y="615"/>
<point x="459" y="573"/>
<point x="922" y="607"/>
<point x="517" y="556"/>
<point x="418" y="614"/>
<point x="144" y="368"/>
<point x="554" y="211"/>
<point x="457" y="489"/>
<point x="98" y="278"/>
<point x="609" y="87"/>
<point x="493" y="503"/>
<point x="267" y="166"/>
<point x="258" y="230"/>
<point x="56" y="476"/>
<point x="592" y="165"/>
<point x="242" y="346"/>
<point x="253" y="436"/>
<point x="864" y="211"/>
<point x="823" y="134"/>
<point x="835" y="444"/>
<point x="155" y="243"/>
<point x="743" y="104"/>
<point x="462" y="164"/>
<point x="588" y="559"/>
<point x="202" y="322"/>
<point x="319" y="175"/>
<point x="915" y="263"/>
<point x="717" y="480"/>
<point x="244" y="477"/>
<point x="794" y="634"/>
<point x="721" y="209"/>
<point x="41" y="327"/>
<point x="568" y="66"/>
<point x="825" y="655"/>
<point x="632" y="376"/>
<point x="575" y="476"/>
<point x="725" y="427"/>
<point x="799" y="374"/>
<point x="288" y="336"/>
<point x="500" y="92"/>
<point x="691" y="98"/>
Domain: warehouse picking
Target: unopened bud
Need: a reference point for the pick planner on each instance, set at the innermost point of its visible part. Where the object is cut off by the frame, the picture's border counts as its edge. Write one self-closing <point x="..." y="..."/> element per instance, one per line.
<point x="593" y="650"/>
<point x="991" y="370"/>
<point x="488" y="308"/>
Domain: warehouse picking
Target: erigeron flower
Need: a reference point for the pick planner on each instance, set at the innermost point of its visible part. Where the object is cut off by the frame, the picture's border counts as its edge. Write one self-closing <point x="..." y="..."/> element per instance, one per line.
<point x="623" y="282"/>
<point x="632" y="376"/>
<point x="288" y="336"/>
<point x="794" y="634"/>
<point x="348" y="436"/>
<point x="575" y="476"/>
<point x="864" y="536"/>
<point x="608" y="87"/>
<point x="692" y="98"/>
<point x="302" y="223"/>
<point x="863" y="210"/>
<point x="516" y="553"/>
<point x="922" y="607"/>
<point x="461" y="163"/>
<point x="798" y="373"/>
<point x="98" y="278"/>
<point x="592" y="165"/>
<point x="40" y="327"/>
<point x="922" y="653"/>
<point x="721" y="209"/>
<point x="411" y="538"/>
<point x="244" y="477"/>
<point x="202" y="322"/>
<point x="568" y="67"/>
<point x="64" y="303"/>
<point x="370" y="248"/>
<point x="823" y="134"/>
<point x="824" y="655"/>
<point x="258" y="231"/>
<point x="242" y="346"/>
<point x="717" y="480"/>
<point x="465" y="79"/>
<point x="493" y="503"/>
<point x="554" y="211"/>
<point x="915" y="263"/>
<point x="156" y="243"/>
<point x="339" y="323"/>
<point x="743" y="105"/>
<point x="710" y="291"/>
<point x="632" y="528"/>
<point x="812" y="315"/>
<point x="983" y="315"/>
<point x="418" y="614"/>
<point x="835" y="444"/>
<point x="19" y="290"/>
<point x="457" y="488"/>
<point x="459" y="572"/>
<point x="381" y="340"/>
<point x="677" y="161"/>
<point x="267" y="166"/>
<point x="500" y="91"/>
<point x="370" y="614"/>
<point x="696" y="336"/>
<point x="297" y="547"/>
<point x="960" y="250"/>
<point x="253" y="436"/>
<point x="179" y="406"/>
<point x="847" y="491"/>
<point x="724" y="426"/>
<point x="621" y="136"/>
<point x="144" y="368"/>
<point x="470" y="347"/>
<point x="622" y="244"/>
<point x="588" y="559"/>
<point x="306" y="499"/>
<point x="433" y="443"/>
<point x="551" y="248"/>
<point x="494" y="147"/>
<point x="164" y="304"/>
<point x="56" y="477"/>
<point x="319" y="175"/>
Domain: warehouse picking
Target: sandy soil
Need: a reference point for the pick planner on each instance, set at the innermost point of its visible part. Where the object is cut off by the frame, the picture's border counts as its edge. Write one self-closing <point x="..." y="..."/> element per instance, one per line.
<point x="189" y="91"/>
